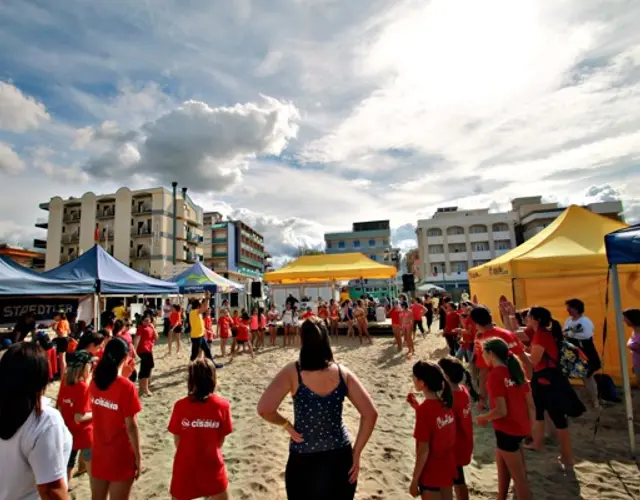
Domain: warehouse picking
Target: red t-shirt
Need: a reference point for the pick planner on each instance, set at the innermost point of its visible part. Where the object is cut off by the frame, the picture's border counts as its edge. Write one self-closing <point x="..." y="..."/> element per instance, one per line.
<point x="451" y="322"/>
<point x="550" y="358"/>
<point x="395" y="316"/>
<point x="74" y="399"/>
<point x="500" y="385"/>
<point x="147" y="336"/>
<point x="323" y="312"/>
<point x="175" y="319"/>
<point x="263" y="321"/>
<point x="512" y="340"/>
<point x="224" y="327"/>
<point x="235" y="321"/>
<point x="418" y="311"/>
<point x="243" y="331"/>
<point x="334" y="312"/>
<point x="436" y="425"/>
<point x="469" y="334"/>
<point x="464" y="426"/>
<point x="308" y="314"/>
<point x="112" y="454"/>
<point x="198" y="465"/>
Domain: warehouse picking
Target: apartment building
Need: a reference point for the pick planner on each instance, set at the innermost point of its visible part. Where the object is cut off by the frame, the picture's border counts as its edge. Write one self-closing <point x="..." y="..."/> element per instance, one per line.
<point x="372" y="238"/>
<point x="453" y="241"/>
<point x="136" y="227"/>
<point x="23" y="256"/>
<point x="233" y="249"/>
<point x="534" y="215"/>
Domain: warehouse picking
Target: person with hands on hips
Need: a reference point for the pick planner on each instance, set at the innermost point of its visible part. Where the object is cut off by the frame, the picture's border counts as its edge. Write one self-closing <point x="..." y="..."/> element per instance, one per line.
<point x="322" y="461"/>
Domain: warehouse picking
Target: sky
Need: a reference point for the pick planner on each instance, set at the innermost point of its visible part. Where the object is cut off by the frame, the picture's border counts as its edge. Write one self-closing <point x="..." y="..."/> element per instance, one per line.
<point x="303" y="116"/>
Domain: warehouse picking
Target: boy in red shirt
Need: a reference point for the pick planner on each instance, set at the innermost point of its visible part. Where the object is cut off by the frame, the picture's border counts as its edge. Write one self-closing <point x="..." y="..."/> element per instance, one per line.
<point x="418" y="311"/>
<point x="243" y="337"/>
<point x="224" y="330"/>
<point x="512" y="412"/>
<point x="199" y="424"/>
<point x="451" y="328"/>
<point x="435" y="433"/>
<point x="74" y="404"/>
<point x="146" y="336"/>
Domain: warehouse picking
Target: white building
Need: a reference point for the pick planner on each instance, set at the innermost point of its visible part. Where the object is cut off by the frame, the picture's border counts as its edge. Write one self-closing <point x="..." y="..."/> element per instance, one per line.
<point x="136" y="227"/>
<point x="453" y="241"/>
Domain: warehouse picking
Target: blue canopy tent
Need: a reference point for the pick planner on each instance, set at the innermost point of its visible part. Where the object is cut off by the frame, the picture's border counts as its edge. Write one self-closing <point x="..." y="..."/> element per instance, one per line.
<point x="623" y="247"/>
<point x="110" y="276"/>
<point x="198" y="278"/>
<point x="16" y="280"/>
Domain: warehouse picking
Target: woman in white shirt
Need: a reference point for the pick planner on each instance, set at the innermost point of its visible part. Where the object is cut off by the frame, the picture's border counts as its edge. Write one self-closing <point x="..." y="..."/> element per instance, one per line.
<point x="34" y="443"/>
<point x="287" y="322"/>
<point x="579" y="331"/>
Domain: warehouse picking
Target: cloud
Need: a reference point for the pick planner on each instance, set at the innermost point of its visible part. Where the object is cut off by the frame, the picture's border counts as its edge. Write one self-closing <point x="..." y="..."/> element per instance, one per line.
<point x="404" y="237"/>
<point x="606" y="192"/>
<point x="10" y="161"/>
<point x="18" y="112"/>
<point x="42" y="159"/>
<point x="205" y="148"/>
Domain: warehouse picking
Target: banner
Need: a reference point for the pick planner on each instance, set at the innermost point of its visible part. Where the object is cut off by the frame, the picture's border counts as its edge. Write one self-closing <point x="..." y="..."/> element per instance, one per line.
<point x="44" y="309"/>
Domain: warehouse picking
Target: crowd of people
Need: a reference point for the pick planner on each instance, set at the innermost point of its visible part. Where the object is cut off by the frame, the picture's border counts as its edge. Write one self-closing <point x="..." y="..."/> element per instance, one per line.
<point x="518" y="376"/>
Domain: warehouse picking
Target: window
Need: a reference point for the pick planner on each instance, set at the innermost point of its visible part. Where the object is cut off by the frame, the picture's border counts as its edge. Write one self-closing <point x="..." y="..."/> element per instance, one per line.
<point x="385" y="242"/>
<point x="481" y="247"/>
<point x="437" y="268"/>
<point x="372" y="243"/>
<point x="436" y="249"/>
<point x="356" y="243"/>
<point x="329" y="244"/>
<point x="341" y="244"/>
<point x="478" y="229"/>
<point x="461" y="267"/>
<point x="458" y="248"/>
<point x="503" y="245"/>
<point x="374" y="257"/>
<point x="500" y="227"/>
<point x="434" y="232"/>
<point x="479" y="262"/>
<point x="455" y="230"/>
<point x="64" y="229"/>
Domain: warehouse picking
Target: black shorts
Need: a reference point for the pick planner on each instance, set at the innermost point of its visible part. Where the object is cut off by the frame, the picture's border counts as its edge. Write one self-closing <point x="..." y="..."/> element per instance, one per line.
<point x="177" y="329"/>
<point x="547" y="400"/>
<point x="234" y="332"/>
<point x="62" y="344"/>
<point x="241" y="342"/>
<point x="460" y="480"/>
<point x="507" y="442"/>
<point x="146" y="364"/>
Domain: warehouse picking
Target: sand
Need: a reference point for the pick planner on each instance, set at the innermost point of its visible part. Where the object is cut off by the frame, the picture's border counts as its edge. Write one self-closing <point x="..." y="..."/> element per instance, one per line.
<point x="256" y="452"/>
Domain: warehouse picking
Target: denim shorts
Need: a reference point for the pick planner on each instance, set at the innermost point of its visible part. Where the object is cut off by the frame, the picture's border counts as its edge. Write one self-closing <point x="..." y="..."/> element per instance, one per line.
<point x="85" y="453"/>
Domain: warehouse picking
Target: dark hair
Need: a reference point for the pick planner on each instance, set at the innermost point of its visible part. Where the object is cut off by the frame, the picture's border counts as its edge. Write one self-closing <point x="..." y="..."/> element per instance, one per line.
<point x="521" y="316"/>
<point x="576" y="304"/>
<point x="117" y="327"/>
<point x="500" y="350"/>
<point x="315" y="349"/>
<point x="245" y="315"/>
<point x="106" y="372"/>
<point x="202" y="379"/>
<point x="481" y="316"/>
<point x="546" y="321"/>
<point x="91" y="338"/>
<point x="176" y="307"/>
<point x="632" y="316"/>
<point x="24" y="372"/>
<point x="433" y="377"/>
<point x="453" y="369"/>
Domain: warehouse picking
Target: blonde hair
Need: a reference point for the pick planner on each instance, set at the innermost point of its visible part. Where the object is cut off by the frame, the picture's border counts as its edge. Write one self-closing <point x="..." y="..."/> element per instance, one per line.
<point x="74" y="374"/>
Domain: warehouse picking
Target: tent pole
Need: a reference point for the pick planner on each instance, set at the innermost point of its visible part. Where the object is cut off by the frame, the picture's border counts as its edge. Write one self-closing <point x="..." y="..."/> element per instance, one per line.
<point x="624" y="369"/>
<point x="96" y="312"/>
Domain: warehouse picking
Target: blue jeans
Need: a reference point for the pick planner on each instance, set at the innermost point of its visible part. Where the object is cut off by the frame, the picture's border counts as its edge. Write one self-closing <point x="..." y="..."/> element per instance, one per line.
<point x="464" y="354"/>
<point x="197" y="344"/>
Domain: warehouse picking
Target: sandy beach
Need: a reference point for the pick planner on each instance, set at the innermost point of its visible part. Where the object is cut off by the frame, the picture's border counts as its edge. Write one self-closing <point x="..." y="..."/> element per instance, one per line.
<point x="256" y="452"/>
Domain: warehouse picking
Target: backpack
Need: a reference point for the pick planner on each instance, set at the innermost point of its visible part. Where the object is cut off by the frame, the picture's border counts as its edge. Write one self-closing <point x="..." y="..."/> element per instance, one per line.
<point x="573" y="362"/>
<point x="606" y="388"/>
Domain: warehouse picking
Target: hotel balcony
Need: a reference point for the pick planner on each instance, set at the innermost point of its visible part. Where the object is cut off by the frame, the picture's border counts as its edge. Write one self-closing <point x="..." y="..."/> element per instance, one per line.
<point x="141" y="232"/>
<point x="139" y="253"/>
<point x="106" y="213"/>
<point x="42" y="222"/>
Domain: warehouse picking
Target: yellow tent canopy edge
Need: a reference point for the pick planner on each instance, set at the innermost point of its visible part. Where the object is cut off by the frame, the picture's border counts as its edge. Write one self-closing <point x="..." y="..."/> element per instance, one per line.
<point x="330" y="267"/>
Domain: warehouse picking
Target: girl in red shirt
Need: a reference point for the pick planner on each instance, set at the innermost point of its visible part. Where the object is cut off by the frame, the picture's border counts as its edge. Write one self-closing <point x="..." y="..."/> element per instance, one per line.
<point x="199" y="424"/>
<point x="175" y="327"/>
<point x="511" y="414"/>
<point x="451" y="328"/>
<point x="208" y="327"/>
<point x="406" y="325"/>
<point x="435" y="434"/>
<point x="224" y="330"/>
<point x="334" y="318"/>
<point x="262" y="326"/>
<point x="243" y="338"/>
<point x="146" y="337"/>
<point x="394" y="314"/>
<point x="74" y="404"/>
<point x="116" y="459"/>
<point x="254" y="324"/>
<point x="455" y="373"/>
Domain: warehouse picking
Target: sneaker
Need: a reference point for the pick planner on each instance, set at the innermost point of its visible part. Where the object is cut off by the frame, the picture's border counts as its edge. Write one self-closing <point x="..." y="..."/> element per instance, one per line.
<point x="218" y="365"/>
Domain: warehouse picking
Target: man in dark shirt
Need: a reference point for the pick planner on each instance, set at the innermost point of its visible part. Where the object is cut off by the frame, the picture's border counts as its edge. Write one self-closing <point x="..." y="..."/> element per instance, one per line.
<point x="291" y="300"/>
<point x="24" y="326"/>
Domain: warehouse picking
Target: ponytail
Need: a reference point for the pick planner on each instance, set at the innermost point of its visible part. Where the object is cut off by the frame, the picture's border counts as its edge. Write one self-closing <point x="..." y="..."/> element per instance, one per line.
<point x="107" y="370"/>
<point x="546" y="321"/>
<point x="433" y="378"/>
<point x="500" y="350"/>
<point x="556" y="332"/>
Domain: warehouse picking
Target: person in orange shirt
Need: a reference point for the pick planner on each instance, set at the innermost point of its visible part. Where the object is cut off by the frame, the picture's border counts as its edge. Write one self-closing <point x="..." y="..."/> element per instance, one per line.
<point x="243" y="339"/>
<point x="254" y="325"/>
<point x="418" y="311"/>
<point x="224" y="330"/>
<point x="175" y="330"/>
<point x="334" y="318"/>
<point x="360" y="314"/>
<point x="395" y="313"/>
<point x="308" y="313"/>
<point x="323" y="312"/>
<point x="62" y="329"/>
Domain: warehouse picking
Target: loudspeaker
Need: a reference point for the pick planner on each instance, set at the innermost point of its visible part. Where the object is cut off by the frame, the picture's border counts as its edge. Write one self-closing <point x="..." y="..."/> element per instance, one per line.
<point x="233" y="302"/>
<point x="408" y="283"/>
<point x="256" y="288"/>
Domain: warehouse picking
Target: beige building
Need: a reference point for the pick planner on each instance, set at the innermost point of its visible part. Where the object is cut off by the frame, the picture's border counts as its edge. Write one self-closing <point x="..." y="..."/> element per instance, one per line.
<point x="453" y="241"/>
<point x="136" y="227"/>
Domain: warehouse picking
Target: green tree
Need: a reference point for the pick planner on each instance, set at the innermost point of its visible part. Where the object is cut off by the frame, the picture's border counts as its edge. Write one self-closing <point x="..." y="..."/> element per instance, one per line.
<point x="309" y="251"/>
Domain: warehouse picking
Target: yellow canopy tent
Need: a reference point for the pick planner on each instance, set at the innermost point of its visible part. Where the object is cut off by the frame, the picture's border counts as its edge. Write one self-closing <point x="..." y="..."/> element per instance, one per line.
<point x="330" y="267"/>
<point x="565" y="260"/>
